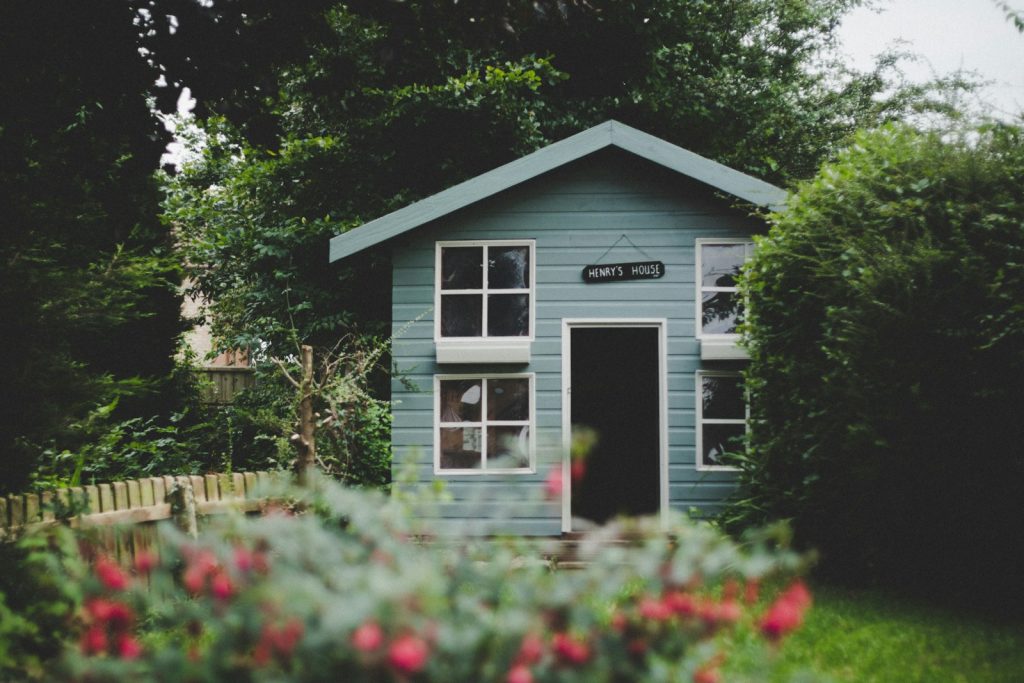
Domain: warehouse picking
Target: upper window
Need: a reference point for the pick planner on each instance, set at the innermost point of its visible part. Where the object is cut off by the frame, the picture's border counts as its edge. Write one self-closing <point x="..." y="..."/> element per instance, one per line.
<point x="722" y="414"/>
<point x="483" y="424"/>
<point x="718" y="265"/>
<point x="484" y="290"/>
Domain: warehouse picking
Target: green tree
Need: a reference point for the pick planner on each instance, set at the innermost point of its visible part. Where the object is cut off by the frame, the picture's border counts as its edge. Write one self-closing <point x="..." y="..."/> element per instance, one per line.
<point x="87" y="290"/>
<point x="391" y="102"/>
<point x="886" y="332"/>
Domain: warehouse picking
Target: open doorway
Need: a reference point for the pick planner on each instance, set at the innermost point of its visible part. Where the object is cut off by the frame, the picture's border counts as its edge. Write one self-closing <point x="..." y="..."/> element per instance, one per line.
<point x="615" y="389"/>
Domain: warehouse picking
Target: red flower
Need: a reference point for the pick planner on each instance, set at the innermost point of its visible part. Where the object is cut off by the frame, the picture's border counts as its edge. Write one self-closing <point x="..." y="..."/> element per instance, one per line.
<point x="531" y="650"/>
<point x="221" y="586"/>
<point x="553" y="485"/>
<point x="110" y="575"/>
<point x="569" y="650"/>
<point x="619" y="621"/>
<point x="637" y="646"/>
<point x="681" y="603"/>
<point x="655" y="610"/>
<point x="243" y="559"/>
<point x="520" y="673"/>
<point x="729" y="611"/>
<point x="408" y="654"/>
<point x="94" y="640"/>
<point x="128" y="647"/>
<point x="578" y="469"/>
<point x="145" y="560"/>
<point x="706" y="675"/>
<point x="751" y="591"/>
<point x="368" y="637"/>
<point x="787" y="612"/>
<point x="194" y="579"/>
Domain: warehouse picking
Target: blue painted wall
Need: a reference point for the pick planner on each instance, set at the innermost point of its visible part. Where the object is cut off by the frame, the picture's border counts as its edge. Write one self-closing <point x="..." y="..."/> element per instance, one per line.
<point x="575" y="214"/>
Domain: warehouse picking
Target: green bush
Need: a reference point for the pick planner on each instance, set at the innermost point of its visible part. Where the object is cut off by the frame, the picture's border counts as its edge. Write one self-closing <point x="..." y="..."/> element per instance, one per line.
<point x="886" y="333"/>
<point x="340" y="588"/>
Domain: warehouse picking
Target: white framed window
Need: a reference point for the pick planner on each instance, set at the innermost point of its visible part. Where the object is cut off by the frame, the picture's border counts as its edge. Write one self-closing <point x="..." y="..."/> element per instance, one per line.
<point x="723" y="412"/>
<point x="485" y="290"/>
<point x="484" y="424"/>
<point x="719" y="306"/>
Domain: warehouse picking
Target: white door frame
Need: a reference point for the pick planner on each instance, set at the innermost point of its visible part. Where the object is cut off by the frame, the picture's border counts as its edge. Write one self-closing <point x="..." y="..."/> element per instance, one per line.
<point x="568" y="324"/>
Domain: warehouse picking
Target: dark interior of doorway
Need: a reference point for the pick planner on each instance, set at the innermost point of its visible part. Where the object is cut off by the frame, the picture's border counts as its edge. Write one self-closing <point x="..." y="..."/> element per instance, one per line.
<point x="615" y="392"/>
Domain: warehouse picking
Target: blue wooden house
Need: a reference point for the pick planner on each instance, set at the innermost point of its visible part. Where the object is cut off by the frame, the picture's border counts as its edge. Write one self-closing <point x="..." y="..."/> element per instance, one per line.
<point x="588" y="284"/>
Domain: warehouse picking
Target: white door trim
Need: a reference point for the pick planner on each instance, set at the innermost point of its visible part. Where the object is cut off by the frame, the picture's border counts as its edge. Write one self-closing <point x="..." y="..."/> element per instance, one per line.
<point x="661" y="325"/>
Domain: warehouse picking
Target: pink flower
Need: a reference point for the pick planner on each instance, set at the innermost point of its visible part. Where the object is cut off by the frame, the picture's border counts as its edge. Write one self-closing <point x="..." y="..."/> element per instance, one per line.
<point x="706" y="675"/>
<point x="408" y="654"/>
<point x="110" y="575"/>
<point x="368" y="637"/>
<point x="569" y="650"/>
<point x="128" y="647"/>
<point x="221" y="586"/>
<point x="655" y="610"/>
<point x="243" y="559"/>
<point x="751" y="591"/>
<point x="553" y="485"/>
<point x="729" y="611"/>
<point x="531" y="650"/>
<point x="94" y="640"/>
<point x="194" y="579"/>
<point x="680" y="603"/>
<point x="119" y="615"/>
<point x="520" y="673"/>
<point x="145" y="560"/>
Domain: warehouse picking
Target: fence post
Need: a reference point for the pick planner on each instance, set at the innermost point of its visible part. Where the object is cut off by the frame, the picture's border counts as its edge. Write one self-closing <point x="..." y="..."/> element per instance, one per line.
<point x="183" y="506"/>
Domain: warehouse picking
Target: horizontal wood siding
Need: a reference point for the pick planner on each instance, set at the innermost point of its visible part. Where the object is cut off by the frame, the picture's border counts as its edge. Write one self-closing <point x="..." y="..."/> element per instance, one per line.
<point x="575" y="214"/>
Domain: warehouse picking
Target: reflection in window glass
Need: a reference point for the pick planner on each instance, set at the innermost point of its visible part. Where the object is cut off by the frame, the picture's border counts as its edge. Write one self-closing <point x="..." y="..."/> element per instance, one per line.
<point x="720" y="312"/>
<point x="462" y="267"/>
<point x="508" y="315"/>
<point x="721" y="263"/>
<point x="484" y="423"/>
<point x="484" y="290"/>
<point x="460" y="448"/>
<point x="460" y="400"/>
<point x="508" y="267"/>
<point x="721" y="308"/>
<point x="508" y="447"/>
<point x="719" y="439"/>
<point x="723" y="397"/>
<point x="508" y="399"/>
<point x="462" y="315"/>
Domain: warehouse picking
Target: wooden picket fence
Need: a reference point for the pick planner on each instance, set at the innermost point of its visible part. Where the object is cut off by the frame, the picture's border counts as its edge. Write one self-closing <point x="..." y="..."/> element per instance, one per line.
<point x="125" y="512"/>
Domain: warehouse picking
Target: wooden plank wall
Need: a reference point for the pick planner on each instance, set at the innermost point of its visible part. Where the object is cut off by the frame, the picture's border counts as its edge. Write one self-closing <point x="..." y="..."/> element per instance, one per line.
<point x="125" y="512"/>
<point x="225" y="382"/>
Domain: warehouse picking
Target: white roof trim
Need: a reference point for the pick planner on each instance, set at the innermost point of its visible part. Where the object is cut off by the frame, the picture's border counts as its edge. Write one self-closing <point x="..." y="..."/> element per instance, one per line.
<point x="607" y="134"/>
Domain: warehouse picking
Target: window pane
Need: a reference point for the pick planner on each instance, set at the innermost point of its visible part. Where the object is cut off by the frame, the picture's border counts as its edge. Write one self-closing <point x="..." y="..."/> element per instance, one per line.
<point x="508" y="399"/>
<point x="508" y="315"/>
<point x="508" y="267"/>
<point x="718" y="439"/>
<point x="723" y="397"/>
<point x="720" y="312"/>
<point x="508" y="447"/>
<point x="720" y="264"/>
<point x="462" y="315"/>
<point x="462" y="267"/>
<point x="460" y="400"/>
<point x="460" y="448"/>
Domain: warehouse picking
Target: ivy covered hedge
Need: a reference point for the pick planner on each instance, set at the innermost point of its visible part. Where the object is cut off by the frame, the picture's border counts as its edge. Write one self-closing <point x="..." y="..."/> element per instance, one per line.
<point x="886" y="333"/>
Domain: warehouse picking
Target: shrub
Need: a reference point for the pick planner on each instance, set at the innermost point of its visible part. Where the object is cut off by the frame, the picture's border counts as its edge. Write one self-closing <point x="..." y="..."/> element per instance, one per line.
<point x="344" y="591"/>
<point x="886" y="337"/>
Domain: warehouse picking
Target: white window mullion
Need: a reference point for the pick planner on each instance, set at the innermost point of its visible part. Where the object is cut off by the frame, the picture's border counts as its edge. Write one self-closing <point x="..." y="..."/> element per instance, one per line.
<point x="483" y="412"/>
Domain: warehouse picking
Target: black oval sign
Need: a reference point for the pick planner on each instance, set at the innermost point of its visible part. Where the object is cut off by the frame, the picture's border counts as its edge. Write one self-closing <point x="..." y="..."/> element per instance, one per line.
<point x="617" y="272"/>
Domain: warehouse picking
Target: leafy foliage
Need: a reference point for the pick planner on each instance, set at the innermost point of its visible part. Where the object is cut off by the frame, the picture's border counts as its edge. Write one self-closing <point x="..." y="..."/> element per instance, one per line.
<point x="342" y="590"/>
<point x="88" y="284"/>
<point x="886" y="332"/>
<point x="380" y="111"/>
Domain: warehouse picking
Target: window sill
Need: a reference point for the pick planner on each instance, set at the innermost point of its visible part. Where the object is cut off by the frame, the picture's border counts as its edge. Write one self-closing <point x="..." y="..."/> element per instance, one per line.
<point x="722" y="349"/>
<point x="484" y="351"/>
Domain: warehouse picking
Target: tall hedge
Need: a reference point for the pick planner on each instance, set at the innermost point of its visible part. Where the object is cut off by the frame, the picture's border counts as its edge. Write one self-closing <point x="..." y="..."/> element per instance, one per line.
<point x="886" y="331"/>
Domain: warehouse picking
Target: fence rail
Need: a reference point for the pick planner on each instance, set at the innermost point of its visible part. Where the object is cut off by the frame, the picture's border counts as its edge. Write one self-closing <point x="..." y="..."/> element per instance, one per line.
<point x="137" y="501"/>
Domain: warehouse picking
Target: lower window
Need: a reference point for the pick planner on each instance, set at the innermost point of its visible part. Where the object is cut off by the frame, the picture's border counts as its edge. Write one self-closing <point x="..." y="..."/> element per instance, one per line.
<point x="483" y="424"/>
<point x="722" y="414"/>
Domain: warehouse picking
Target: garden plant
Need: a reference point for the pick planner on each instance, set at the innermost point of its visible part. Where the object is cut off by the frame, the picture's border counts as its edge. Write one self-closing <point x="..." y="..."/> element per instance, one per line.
<point x="340" y="584"/>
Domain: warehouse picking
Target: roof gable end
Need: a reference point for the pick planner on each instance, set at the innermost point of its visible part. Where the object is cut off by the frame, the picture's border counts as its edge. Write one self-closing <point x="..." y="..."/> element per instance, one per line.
<point x="608" y="134"/>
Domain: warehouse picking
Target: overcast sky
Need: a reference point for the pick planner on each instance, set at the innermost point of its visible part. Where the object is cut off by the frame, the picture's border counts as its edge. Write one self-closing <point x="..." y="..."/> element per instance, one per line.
<point x="948" y="34"/>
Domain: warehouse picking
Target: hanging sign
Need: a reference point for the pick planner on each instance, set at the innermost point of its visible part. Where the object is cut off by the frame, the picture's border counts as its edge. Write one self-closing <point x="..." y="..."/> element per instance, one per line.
<point x="617" y="272"/>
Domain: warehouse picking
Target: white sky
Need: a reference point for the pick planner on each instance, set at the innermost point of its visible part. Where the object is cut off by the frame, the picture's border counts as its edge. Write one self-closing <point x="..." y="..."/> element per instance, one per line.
<point x="949" y="34"/>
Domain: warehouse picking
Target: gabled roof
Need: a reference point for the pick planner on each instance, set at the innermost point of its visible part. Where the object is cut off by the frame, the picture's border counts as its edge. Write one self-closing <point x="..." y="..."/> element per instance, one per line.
<point x="607" y="134"/>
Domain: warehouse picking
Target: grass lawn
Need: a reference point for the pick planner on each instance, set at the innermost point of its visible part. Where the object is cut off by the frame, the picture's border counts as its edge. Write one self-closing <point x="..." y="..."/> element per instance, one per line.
<point x="865" y="636"/>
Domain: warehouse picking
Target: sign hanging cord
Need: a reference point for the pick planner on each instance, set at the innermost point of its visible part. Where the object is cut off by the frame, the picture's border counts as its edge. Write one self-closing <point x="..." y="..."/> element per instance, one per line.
<point x="624" y="236"/>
